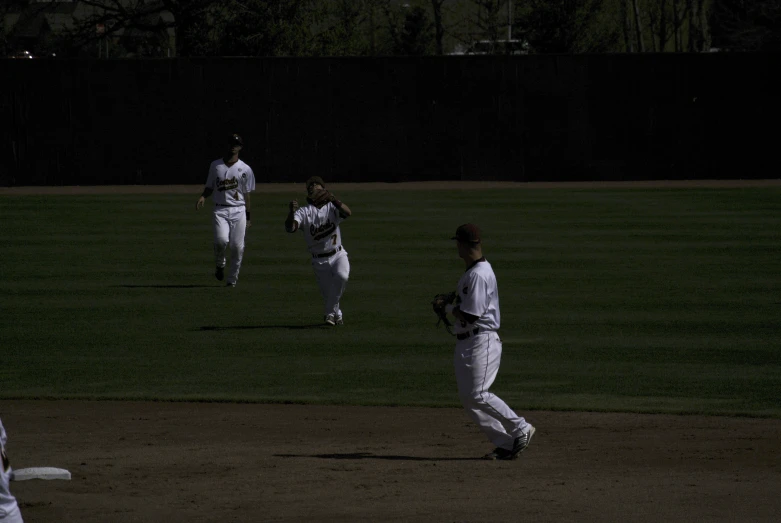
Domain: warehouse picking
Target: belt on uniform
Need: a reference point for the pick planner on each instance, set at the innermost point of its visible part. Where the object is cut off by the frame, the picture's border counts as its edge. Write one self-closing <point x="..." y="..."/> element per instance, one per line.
<point x="327" y="254"/>
<point x="465" y="335"/>
<point x="222" y="205"/>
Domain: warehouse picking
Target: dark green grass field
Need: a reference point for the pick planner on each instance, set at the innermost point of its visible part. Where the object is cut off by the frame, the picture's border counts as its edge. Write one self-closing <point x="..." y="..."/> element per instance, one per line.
<point x="642" y="300"/>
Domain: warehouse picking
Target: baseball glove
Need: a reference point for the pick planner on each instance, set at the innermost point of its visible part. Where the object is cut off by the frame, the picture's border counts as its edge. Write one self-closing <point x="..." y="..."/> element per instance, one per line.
<point x="320" y="198"/>
<point x="439" y="303"/>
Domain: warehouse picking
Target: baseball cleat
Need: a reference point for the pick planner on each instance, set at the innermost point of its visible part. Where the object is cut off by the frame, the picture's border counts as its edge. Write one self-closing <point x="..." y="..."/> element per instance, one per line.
<point x="519" y="445"/>
<point x="329" y="319"/>
<point x="498" y="453"/>
<point x="521" y="442"/>
<point x="230" y="284"/>
<point x="339" y="321"/>
<point x="219" y="273"/>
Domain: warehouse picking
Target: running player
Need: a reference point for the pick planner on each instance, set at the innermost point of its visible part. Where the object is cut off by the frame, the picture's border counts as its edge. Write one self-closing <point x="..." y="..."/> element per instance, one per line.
<point x="324" y="242"/>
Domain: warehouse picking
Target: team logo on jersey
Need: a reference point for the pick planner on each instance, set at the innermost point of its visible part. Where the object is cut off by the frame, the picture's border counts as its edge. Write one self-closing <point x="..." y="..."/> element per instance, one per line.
<point x="243" y="175"/>
<point x="318" y="233"/>
<point x="227" y="184"/>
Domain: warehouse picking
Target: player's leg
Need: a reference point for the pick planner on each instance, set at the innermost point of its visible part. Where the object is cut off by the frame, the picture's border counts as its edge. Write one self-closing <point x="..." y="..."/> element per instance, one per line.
<point x="340" y="274"/>
<point x="476" y="364"/>
<point x="221" y="237"/>
<point x="474" y="375"/>
<point x="13" y="516"/>
<point x="512" y="423"/>
<point x="238" y="227"/>
<point x="323" y="275"/>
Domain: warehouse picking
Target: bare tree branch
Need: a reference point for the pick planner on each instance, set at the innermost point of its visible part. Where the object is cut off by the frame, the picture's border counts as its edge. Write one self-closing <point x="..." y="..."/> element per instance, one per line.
<point x="638" y="27"/>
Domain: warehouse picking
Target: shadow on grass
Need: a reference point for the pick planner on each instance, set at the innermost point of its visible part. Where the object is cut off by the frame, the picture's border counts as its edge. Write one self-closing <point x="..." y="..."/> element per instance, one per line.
<point x="369" y="455"/>
<point x="249" y="327"/>
<point x="163" y="286"/>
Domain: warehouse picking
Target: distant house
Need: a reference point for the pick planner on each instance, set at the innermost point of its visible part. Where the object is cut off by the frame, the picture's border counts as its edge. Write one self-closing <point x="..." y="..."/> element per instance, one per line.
<point x="31" y="29"/>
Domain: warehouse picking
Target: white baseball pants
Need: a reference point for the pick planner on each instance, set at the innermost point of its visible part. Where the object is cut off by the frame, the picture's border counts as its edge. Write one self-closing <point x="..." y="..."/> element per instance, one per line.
<point x="476" y="365"/>
<point x="13" y="516"/>
<point x="230" y="224"/>
<point x="332" y="275"/>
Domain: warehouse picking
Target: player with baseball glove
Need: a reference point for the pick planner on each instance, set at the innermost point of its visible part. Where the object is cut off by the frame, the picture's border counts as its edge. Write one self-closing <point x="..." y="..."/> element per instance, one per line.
<point x="319" y="221"/>
<point x="318" y="195"/>
<point x="478" y="350"/>
<point x="440" y="304"/>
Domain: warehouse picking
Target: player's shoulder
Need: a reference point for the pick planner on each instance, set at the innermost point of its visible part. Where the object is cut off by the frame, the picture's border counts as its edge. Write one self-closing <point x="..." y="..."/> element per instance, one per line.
<point x="482" y="270"/>
<point x="216" y="163"/>
<point x="304" y="211"/>
<point x="485" y="265"/>
<point x="486" y="268"/>
<point x="243" y="168"/>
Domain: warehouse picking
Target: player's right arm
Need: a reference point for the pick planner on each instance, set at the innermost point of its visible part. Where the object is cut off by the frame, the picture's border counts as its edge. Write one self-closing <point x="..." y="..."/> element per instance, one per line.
<point x="462" y="316"/>
<point x="208" y="187"/>
<point x="205" y="194"/>
<point x="291" y="225"/>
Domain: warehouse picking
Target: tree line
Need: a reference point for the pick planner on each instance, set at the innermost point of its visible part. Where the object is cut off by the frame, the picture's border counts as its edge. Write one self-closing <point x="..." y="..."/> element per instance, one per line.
<point x="311" y="28"/>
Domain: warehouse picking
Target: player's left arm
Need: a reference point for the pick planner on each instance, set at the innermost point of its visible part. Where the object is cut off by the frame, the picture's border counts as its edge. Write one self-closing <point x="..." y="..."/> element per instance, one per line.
<point x="247" y="209"/>
<point x="476" y="307"/>
<point x="342" y="209"/>
<point x="249" y="186"/>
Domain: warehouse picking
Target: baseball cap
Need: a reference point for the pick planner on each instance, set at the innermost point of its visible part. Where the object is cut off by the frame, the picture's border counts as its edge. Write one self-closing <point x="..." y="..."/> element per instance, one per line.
<point x="235" y="139"/>
<point x="313" y="180"/>
<point x="468" y="233"/>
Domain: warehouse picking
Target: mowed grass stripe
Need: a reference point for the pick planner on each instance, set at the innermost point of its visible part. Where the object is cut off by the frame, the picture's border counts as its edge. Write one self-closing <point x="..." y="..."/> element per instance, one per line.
<point x="652" y="300"/>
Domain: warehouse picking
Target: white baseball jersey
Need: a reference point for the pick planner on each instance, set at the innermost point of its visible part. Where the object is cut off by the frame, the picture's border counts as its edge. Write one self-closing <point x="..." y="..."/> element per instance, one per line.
<point x="479" y="297"/>
<point x="320" y="226"/>
<point x="230" y="184"/>
<point x="7" y="500"/>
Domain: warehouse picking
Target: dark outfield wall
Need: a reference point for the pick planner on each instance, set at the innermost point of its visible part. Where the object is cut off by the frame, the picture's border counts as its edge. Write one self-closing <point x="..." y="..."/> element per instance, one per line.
<point x="528" y="118"/>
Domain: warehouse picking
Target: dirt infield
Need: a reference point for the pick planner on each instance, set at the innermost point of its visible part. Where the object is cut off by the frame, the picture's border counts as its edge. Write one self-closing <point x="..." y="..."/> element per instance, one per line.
<point x="209" y="462"/>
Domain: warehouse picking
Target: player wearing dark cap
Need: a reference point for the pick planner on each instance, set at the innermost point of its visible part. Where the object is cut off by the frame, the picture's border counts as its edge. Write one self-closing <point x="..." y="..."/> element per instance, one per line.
<point x="320" y="222"/>
<point x="231" y="181"/>
<point x="479" y="350"/>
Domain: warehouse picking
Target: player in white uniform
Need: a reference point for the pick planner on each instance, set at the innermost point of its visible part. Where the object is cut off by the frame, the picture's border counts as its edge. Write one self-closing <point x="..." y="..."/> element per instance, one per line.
<point x="231" y="181"/>
<point x="479" y="350"/>
<point x="324" y="242"/>
<point x="9" y="508"/>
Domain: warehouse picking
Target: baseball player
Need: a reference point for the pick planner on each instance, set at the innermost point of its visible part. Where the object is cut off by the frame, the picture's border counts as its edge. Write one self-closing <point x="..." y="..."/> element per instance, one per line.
<point x="479" y="350"/>
<point x="320" y="221"/>
<point x="231" y="181"/>
<point x="9" y="508"/>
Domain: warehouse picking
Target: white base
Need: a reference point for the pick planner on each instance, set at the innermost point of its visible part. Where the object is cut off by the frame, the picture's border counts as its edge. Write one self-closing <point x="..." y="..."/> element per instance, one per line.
<point x="40" y="473"/>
